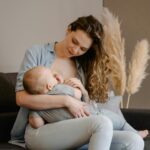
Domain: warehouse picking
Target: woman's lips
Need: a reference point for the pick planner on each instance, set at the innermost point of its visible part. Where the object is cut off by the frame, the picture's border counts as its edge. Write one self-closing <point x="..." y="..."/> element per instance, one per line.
<point x="70" y="52"/>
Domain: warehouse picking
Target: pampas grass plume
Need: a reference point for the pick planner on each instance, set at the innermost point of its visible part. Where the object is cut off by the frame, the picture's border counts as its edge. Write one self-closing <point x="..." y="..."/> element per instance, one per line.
<point x="114" y="46"/>
<point x="137" y="67"/>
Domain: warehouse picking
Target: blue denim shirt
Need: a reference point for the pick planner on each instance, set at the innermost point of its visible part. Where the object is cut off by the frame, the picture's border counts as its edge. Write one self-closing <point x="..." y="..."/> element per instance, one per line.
<point x="37" y="55"/>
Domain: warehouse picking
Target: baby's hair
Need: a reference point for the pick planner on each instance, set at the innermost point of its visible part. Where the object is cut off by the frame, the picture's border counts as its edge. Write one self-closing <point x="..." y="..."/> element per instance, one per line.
<point x="34" y="80"/>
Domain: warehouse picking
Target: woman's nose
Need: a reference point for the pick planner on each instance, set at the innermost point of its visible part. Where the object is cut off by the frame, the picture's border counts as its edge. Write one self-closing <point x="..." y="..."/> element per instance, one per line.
<point x="75" y="49"/>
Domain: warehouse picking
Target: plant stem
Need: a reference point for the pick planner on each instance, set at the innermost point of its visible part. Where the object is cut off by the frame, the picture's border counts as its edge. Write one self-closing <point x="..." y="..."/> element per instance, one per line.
<point x="121" y="103"/>
<point x="128" y="101"/>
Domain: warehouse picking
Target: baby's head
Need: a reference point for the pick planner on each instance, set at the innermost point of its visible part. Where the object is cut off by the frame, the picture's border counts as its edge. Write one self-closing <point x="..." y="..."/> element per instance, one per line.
<point x="40" y="80"/>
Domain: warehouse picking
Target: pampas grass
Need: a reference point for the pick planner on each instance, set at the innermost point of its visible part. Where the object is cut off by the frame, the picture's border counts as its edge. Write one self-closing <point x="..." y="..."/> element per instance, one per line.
<point x="114" y="46"/>
<point x="137" y="67"/>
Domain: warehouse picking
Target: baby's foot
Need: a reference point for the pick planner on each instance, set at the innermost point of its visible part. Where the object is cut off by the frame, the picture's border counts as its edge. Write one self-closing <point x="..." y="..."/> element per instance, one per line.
<point x="143" y="133"/>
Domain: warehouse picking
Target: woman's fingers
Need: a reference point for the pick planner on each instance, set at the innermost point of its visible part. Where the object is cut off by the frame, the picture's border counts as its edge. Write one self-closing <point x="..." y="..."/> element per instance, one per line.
<point x="70" y="83"/>
<point x="83" y="113"/>
<point x="73" y="82"/>
<point x="77" y="108"/>
<point x="80" y="115"/>
<point x="85" y="109"/>
<point x="87" y="113"/>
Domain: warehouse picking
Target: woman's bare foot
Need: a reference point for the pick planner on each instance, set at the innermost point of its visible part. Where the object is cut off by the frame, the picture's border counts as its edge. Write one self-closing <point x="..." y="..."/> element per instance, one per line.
<point x="143" y="133"/>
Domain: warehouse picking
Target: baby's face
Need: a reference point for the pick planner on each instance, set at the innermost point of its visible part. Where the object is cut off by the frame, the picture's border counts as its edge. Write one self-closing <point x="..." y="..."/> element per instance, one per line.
<point x="53" y="78"/>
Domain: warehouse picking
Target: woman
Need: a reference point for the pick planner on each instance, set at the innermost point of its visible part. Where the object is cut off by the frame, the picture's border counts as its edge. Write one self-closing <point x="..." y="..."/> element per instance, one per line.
<point x="79" y="54"/>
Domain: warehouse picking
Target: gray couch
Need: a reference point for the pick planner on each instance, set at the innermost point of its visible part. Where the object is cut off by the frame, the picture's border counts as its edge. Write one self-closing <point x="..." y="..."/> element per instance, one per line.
<point x="140" y="119"/>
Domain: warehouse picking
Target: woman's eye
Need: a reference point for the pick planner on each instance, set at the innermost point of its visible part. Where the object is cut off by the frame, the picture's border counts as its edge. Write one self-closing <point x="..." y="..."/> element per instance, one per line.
<point x="74" y="41"/>
<point x="83" y="49"/>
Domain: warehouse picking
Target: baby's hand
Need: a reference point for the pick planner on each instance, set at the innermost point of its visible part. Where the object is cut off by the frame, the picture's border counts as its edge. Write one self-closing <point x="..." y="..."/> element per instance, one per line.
<point x="76" y="83"/>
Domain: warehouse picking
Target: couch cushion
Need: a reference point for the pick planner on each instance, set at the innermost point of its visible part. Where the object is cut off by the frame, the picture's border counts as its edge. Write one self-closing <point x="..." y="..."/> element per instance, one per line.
<point x="6" y="123"/>
<point x="7" y="92"/>
<point x="113" y="104"/>
<point x="7" y="146"/>
<point x="147" y="143"/>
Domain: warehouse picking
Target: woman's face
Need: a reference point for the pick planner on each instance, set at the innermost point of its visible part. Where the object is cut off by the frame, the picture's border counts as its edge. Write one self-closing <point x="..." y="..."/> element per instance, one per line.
<point x="76" y="43"/>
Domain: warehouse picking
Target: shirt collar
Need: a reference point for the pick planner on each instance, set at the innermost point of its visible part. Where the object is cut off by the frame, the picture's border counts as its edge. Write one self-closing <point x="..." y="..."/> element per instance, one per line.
<point x="50" y="47"/>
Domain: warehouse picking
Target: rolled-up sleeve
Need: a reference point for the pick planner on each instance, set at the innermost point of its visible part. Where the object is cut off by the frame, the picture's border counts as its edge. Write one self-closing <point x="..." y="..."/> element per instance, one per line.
<point x="37" y="55"/>
<point x="28" y="62"/>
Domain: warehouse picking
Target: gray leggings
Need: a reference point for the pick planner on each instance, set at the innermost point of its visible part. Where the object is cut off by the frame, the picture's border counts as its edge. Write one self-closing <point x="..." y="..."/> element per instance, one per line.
<point x="55" y="115"/>
<point x="72" y="133"/>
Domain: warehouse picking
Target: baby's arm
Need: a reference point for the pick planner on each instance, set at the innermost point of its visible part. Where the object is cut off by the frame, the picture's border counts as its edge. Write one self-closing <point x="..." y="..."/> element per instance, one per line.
<point x="66" y="89"/>
<point x="78" y="86"/>
<point x="35" y="120"/>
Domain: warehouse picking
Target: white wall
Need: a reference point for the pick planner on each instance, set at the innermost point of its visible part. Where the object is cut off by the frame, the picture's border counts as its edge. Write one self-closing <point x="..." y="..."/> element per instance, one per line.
<point x="24" y="23"/>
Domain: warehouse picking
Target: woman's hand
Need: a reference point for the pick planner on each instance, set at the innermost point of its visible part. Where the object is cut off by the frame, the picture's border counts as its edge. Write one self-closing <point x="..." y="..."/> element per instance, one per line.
<point x="76" y="107"/>
<point x="76" y="83"/>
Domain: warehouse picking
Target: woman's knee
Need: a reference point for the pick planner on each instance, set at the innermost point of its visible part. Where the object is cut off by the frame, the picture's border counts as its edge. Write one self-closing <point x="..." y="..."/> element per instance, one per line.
<point x="101" y="122"/>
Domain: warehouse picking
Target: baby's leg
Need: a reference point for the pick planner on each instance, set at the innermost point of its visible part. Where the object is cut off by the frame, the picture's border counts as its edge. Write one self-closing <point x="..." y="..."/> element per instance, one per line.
<point x="55" y="115"/>
<point x="35" y="120"/>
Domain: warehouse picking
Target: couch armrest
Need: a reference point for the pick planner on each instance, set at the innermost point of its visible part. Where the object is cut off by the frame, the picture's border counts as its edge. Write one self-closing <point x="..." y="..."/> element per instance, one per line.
<point x="138" y="118"/>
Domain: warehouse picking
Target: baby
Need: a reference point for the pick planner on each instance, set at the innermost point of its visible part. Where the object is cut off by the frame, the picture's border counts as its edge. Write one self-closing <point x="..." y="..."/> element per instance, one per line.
<point x="41" y="80"/>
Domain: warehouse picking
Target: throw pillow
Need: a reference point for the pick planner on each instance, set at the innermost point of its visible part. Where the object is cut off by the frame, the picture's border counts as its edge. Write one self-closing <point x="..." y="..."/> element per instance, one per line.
<point x="113" y="104"/>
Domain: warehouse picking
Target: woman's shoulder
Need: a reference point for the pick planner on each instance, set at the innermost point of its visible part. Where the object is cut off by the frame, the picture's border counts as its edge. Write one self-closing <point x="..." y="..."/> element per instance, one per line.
<point x="38" y="48"/>
<point x="42" y="53"/>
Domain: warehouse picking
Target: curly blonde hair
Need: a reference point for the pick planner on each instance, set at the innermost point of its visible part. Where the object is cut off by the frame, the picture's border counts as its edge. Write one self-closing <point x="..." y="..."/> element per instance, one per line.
<point x="95" y="62"/>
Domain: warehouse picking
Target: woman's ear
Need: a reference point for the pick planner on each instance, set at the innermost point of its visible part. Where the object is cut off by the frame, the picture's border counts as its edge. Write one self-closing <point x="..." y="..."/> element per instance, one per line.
<point x="68" y="30"/>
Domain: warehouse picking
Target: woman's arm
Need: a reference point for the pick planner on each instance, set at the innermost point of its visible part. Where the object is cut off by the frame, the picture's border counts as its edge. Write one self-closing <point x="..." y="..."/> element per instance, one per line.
<point x="41" y="102"/>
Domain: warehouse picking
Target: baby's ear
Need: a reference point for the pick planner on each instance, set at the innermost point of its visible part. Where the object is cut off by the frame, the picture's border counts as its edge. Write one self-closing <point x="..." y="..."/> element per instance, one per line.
<point x="49" y="87"/>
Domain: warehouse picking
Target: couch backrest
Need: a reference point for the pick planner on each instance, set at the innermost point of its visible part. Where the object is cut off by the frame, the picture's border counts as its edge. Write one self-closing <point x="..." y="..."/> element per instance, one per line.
<point x="7" y="92"/>
<point x="8" y="107"/>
